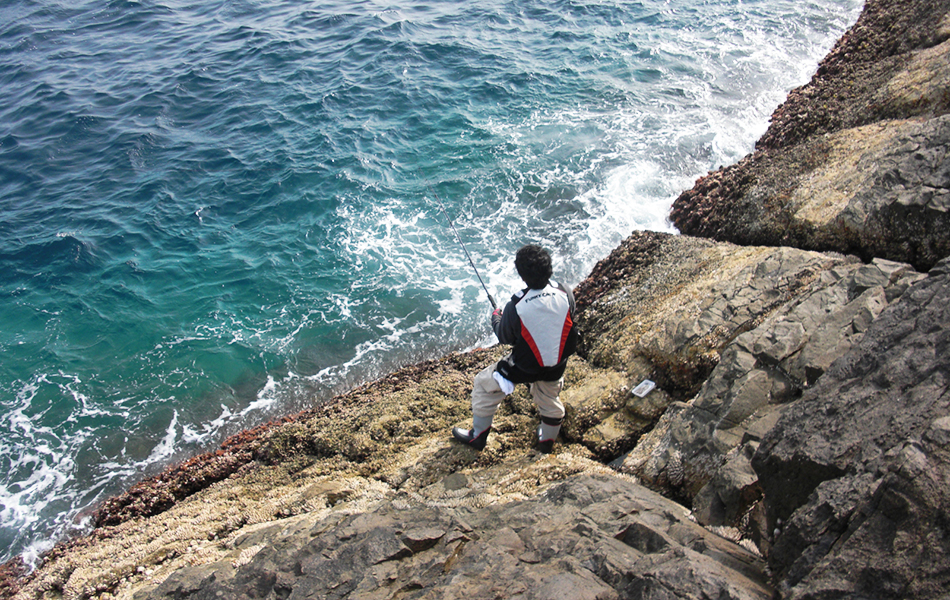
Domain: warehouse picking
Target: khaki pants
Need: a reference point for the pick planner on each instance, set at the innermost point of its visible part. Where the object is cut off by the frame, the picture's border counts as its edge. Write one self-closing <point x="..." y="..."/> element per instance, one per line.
<point x="486" y="396"/>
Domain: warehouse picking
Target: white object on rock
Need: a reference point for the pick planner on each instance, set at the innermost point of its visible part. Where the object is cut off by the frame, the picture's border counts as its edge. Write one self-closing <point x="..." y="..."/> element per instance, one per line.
<point x="644" y="388"/>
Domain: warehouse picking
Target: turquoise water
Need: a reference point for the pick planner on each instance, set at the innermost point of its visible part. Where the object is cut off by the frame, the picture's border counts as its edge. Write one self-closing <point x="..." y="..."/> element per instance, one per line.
<point x="217" y="213"/>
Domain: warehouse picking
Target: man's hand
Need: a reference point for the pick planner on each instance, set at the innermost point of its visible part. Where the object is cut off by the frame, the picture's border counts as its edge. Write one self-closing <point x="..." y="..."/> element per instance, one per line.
<point x="497" y="313"/>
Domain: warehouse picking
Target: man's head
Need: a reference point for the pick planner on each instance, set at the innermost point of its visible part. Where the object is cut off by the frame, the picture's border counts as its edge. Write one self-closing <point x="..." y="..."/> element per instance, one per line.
<point x="534" y="266"/>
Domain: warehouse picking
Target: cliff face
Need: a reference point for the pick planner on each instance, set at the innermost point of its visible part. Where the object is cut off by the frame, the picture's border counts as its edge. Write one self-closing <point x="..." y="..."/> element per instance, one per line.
<point x="855" y="161"/>
<point x="797" y="441"/>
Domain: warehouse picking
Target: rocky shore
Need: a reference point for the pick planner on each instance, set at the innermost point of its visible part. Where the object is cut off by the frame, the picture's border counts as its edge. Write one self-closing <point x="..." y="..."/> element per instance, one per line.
<point x="797" y="443"/>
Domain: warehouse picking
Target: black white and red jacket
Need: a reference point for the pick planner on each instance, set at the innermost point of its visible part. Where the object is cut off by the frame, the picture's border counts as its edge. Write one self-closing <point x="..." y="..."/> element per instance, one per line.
<point x="540" y="326"/>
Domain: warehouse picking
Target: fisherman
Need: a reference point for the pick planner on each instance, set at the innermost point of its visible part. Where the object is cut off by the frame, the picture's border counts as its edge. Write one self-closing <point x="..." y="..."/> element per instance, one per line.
<point x="539" y="323"/>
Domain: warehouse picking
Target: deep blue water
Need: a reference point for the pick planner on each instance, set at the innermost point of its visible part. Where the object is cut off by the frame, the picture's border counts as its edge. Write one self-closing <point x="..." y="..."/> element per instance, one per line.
<point x="218" y="212"/>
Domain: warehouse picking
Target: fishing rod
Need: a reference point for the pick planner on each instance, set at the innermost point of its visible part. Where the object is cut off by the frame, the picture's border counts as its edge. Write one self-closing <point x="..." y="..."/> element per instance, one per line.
<point x="459" y="238"/>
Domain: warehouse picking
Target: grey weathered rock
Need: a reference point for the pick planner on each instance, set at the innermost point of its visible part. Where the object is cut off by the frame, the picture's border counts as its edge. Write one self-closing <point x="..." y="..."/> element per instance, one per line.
<point x="671" y="317"/>
<point x="855" y="473"/>
<point x="690" y="448"/>
<point x="856" y="161"/>
<point x="588" y="538"/>
<point x="687" y="299"/>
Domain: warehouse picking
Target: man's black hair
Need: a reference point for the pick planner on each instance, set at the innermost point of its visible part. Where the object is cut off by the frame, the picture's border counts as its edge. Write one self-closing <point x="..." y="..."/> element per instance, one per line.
<point x="534" y="266"/>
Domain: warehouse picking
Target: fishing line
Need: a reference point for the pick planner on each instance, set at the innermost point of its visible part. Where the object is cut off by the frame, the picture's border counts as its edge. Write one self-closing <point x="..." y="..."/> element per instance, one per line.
<point x="464" y="249"/>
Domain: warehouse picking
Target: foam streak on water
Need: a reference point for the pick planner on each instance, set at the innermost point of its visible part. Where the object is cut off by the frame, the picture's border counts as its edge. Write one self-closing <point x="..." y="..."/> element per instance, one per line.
<point x="215" y="213"/>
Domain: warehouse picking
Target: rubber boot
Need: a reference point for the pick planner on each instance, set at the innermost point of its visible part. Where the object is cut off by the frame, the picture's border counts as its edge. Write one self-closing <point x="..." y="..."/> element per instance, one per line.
<point x="547" y="433"/>
<point x="477" y="436"/>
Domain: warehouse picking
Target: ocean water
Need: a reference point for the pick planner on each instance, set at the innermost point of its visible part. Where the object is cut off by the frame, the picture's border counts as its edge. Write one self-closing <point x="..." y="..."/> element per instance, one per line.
<point x="219" y="212"/>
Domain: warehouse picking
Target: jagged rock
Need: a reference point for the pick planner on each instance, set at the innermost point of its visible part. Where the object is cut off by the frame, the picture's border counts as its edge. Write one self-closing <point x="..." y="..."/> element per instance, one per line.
<point x="670" y="317"/>
<point x="855" y="161"/>
<point x="590" y="400"/>
<point x="856" y="472"/>
<point x="778" y="316"/>
<point x="886" y="66"/>
<point x="589" y="537"/>
<point x="733" y="490"/>
<point x="880" y="190"/>
<point x="687" y="299"/>
<point x="694" y="452"/>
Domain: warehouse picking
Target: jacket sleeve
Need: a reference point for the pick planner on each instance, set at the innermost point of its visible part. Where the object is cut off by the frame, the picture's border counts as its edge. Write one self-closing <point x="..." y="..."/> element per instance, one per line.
<point x="507" y="326"/>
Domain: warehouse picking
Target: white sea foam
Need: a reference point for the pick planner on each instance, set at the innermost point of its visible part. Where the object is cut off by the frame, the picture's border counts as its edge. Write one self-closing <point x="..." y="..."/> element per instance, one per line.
<point x="208" y="430"/>
<point x="40" y="463"/>
<point x="166" y="447"/>
<point x="453" y="305"/>
<point x="265" y="398"/>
